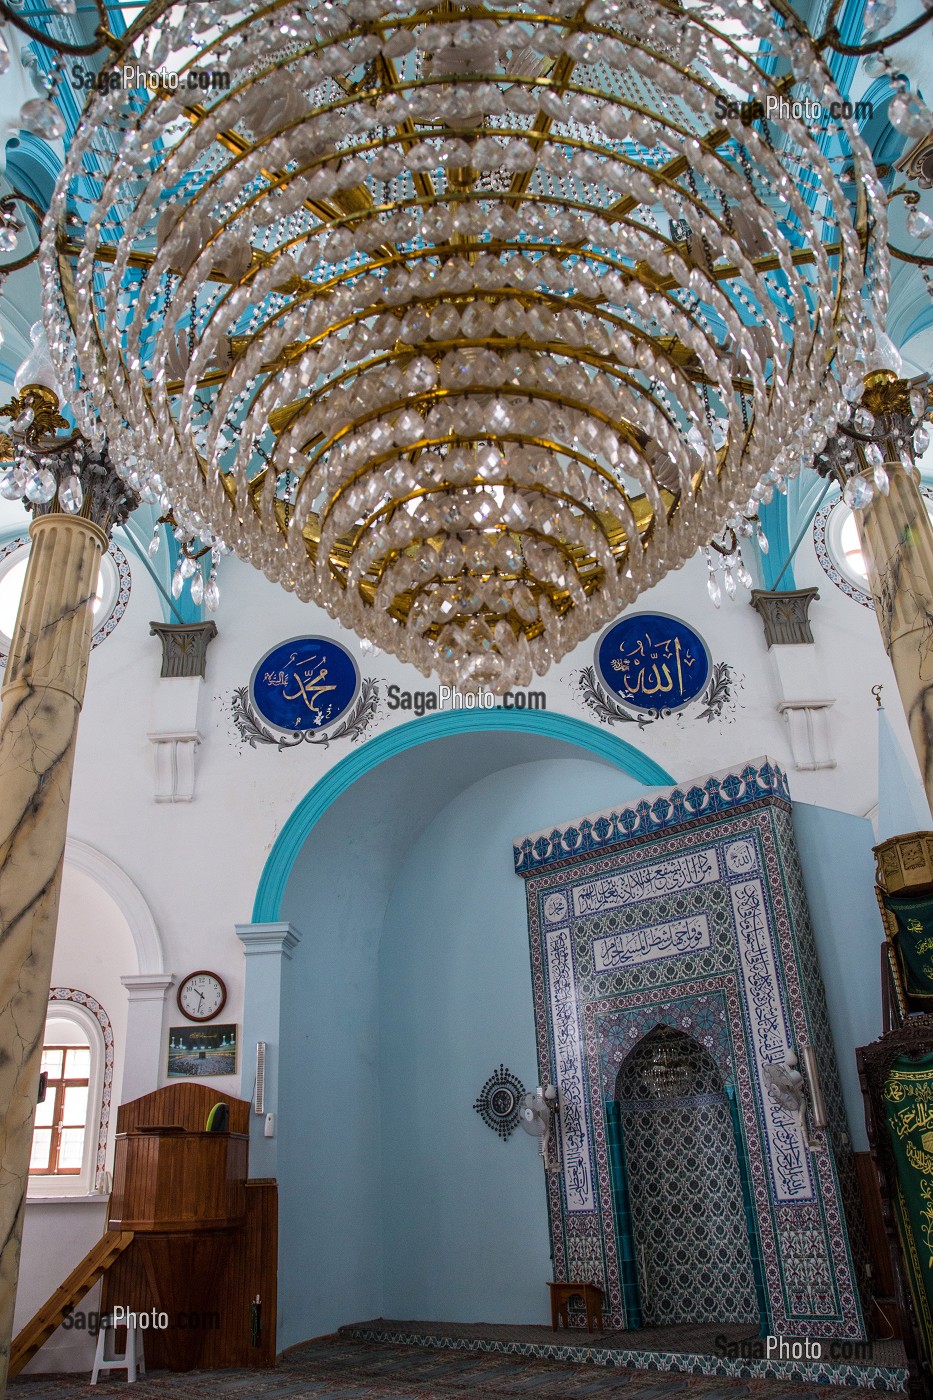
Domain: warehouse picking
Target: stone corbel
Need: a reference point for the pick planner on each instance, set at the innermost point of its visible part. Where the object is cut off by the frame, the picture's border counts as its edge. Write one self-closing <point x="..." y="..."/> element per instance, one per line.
<point x="796" y="670"/>
<point x="810" y="738"/>
<point x="173" y="726"/>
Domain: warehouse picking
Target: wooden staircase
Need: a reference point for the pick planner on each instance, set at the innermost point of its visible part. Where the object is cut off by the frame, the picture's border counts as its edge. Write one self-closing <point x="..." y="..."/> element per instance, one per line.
<point x="94" y="1264"/>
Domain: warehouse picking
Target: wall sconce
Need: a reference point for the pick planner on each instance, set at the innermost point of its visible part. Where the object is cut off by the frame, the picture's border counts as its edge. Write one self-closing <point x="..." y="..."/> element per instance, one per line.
<point x="538" y="1117"/>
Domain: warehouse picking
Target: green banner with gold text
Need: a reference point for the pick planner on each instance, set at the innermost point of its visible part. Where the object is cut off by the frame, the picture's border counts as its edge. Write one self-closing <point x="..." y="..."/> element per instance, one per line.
<point x="908" y="1105"/>
<point x="914" y="940"/>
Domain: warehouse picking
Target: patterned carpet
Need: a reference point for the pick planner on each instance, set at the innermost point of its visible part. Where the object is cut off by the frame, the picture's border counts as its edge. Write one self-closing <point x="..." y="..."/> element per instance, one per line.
<point x="337" y="1368"/>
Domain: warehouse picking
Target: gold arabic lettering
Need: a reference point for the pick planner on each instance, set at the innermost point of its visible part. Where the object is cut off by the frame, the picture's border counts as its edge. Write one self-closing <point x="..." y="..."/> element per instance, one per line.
<point x="310" y="687"/>
<point x="649" y="667"/>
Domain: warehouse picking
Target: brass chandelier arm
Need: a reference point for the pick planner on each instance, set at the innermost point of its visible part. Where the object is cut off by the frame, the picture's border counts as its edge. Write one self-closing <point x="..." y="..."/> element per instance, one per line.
<point x="640" y="507"/>
<point x="103" y="38"/>
<point x="906" y="257"/>
<point x="831" y="38"/>
<point x="437" y="395"/>
<point x="384" y="513"/>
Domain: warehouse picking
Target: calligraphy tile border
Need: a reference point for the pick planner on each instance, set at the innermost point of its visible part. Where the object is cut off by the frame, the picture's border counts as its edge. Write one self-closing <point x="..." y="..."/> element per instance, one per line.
<point x="91" y="1004"/>
<point x="769" y="819"/>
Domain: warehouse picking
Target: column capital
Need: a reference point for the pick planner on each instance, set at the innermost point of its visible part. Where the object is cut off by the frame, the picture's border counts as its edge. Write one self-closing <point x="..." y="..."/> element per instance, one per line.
<point x="785" y="616"/>
<point x="148" y="986"/>
<point x="184" y="647"/>
<point x="278" y="938"/>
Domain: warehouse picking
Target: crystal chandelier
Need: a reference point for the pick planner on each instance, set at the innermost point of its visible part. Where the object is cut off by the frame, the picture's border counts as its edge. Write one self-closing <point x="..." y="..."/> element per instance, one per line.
<point x="467" y="322"/>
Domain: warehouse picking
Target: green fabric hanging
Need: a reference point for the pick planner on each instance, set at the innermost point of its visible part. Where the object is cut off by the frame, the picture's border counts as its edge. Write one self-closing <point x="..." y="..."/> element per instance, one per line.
<point x="908" y="1106"/>
<point x="914" y="940"/>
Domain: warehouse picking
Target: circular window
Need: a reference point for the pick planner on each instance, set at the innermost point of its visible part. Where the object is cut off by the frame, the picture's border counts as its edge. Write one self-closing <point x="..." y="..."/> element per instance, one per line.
<point x="839" y="550"/>
<point x="112" y="595"/>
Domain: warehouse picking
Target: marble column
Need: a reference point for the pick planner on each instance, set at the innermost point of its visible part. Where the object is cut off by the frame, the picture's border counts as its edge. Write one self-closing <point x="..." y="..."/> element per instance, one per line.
<point x="41" y="699"/>
<point x="897" y="545"/>
<point x="45" y="678"/>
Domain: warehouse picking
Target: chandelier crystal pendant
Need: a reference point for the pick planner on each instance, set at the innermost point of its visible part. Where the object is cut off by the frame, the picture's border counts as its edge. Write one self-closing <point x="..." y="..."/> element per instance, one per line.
<point x="468" y="322"/>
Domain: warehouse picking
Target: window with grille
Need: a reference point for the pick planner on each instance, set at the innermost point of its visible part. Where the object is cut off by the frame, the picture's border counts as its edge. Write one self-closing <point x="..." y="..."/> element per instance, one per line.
<point x="61" y="1119"/>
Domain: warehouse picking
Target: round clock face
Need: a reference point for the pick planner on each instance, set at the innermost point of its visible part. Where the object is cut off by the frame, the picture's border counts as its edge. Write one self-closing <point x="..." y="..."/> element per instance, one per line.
<point x="202" y="996"/>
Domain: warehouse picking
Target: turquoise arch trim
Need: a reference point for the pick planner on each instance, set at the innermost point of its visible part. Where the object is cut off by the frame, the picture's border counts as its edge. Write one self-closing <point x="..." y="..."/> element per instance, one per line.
<point x="314" y="804"/>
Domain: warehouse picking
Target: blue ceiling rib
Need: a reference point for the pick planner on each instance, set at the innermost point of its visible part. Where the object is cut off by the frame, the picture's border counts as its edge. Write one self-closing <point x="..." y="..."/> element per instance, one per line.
<point x="32" y="167"/>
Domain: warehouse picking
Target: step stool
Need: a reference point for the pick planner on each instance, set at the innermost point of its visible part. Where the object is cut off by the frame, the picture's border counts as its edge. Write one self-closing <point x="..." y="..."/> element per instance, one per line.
<point x="132" y="1361"/>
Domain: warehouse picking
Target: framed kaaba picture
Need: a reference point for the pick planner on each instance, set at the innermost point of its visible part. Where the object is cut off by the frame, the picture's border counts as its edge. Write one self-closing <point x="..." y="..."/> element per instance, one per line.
<point x="194" y="1051"/>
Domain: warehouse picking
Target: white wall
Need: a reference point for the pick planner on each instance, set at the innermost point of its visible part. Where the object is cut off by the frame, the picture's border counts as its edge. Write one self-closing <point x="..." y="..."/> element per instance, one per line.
<point x="93" y="950"/>
<point x="56" y="1236"/>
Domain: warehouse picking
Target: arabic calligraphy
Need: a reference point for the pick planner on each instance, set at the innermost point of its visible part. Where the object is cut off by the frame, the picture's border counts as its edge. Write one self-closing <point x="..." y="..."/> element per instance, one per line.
<point x="305" y="684"/>
<point x="576" y="1154"/>
<point x="653" y="662"/>
<point x="308" y="687"/>
<point x="917" y="1116"/>
<point x="648" y="944"/>
<point x="684" y="872"/>
<point x="790" y="1162"/>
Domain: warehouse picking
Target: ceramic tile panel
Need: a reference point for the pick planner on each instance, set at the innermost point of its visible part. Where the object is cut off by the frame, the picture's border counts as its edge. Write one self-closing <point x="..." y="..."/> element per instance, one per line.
<point x="688" y="910"/>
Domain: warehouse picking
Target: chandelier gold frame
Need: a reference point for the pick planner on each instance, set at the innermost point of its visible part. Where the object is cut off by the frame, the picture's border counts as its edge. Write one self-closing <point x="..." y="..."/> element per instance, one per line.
<point x="424" y="287"/>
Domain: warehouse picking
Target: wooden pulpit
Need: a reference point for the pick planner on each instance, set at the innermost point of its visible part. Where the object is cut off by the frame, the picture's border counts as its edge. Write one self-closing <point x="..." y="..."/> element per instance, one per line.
<point x="184" y="1194"/>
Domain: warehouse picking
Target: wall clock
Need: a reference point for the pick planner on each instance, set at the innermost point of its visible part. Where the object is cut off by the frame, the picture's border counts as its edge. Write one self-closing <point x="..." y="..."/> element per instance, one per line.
<point x="202" y="996"/>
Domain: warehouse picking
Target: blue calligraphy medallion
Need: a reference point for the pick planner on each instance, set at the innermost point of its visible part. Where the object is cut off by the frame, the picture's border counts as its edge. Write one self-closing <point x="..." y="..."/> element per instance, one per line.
<point x="305" y="683"/>
<point x="653" y="662"/>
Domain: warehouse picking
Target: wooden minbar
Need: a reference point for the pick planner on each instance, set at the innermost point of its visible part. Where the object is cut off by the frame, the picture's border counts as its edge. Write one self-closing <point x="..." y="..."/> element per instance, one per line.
<point x="204" y="1248"/>
<point x="168" y="1180"/>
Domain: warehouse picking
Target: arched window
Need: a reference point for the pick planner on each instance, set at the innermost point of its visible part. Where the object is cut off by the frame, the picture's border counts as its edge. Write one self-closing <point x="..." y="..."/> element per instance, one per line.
<point x="70" y="1134"/>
